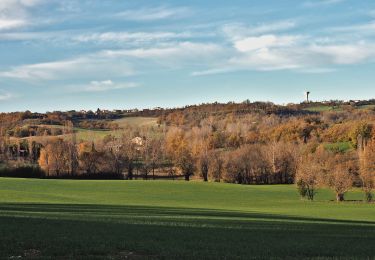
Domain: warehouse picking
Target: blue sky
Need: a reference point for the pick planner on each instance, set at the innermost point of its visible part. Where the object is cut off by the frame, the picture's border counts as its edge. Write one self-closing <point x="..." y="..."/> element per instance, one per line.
<point x="71" y="54"/>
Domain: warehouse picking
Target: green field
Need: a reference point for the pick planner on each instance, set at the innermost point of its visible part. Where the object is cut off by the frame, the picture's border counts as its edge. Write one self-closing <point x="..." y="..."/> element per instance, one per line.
<point x="137" y="121"/>
<point x="367" y="107"/>
<point x="339" y="147"/>
<point x="323" y="108"/>
<point x="71" y="219"/>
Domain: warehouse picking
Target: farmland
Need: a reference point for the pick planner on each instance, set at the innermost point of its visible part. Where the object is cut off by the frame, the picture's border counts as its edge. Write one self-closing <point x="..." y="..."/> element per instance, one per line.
<point x="179" y="220"/>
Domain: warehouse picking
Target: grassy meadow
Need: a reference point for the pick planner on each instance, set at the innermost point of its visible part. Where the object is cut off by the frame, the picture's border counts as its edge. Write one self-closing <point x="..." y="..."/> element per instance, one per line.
<point x="65" y="219"/>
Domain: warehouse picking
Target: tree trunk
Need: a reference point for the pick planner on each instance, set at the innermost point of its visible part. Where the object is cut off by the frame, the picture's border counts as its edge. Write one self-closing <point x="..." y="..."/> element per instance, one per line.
<point x="368" y="196"/>
<point x="205" y="176"/>
<point x="339" y="197"/>
<point x="187" y="177"/>
<point x="130" y="172"/>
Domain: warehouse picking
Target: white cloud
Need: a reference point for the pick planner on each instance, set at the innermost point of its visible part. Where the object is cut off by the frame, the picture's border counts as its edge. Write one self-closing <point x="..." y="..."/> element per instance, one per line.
<point x="171" y="54"/>
<point x="5" y="95"/>
<point x="16" y="5"/>
<point x="15" y="14"/>
<point x="237" y="31"/>
<point x="69" y="69"/>
<point x="306" y="54"/>
<point x="107" y="85"/>
<point x="266" y="59"/>
<point x="264" y="41"/>
<point x="6" y="24"/>
<point x="127" y="36"/>
<point x="152" y="14"/>
<point x="117" y="63"/>
<point x="345" y="54"/>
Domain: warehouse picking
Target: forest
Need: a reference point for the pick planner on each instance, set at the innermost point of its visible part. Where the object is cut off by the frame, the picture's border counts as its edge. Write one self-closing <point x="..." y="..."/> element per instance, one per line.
<point x="322" y="144"/>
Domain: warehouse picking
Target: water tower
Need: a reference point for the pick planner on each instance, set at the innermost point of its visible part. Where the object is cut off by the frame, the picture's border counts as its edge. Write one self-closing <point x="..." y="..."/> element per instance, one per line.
<point x="307" y="93"/>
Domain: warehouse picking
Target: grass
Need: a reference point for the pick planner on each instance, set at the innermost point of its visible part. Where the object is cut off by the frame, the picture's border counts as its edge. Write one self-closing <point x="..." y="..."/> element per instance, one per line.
<point x="323" y="108"/>
<point x="339" y="147"/>
<point x="367" y="107"/>
<point x="137" y="121"/>
<point x="177" y="220"/>
<point x="97" y="134"/>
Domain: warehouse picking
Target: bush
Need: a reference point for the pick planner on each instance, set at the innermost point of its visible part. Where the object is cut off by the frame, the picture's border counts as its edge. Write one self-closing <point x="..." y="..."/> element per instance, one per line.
<point x="302" y="188"/>
<point x="90" y="176"/>
<point x="22" y="172"/>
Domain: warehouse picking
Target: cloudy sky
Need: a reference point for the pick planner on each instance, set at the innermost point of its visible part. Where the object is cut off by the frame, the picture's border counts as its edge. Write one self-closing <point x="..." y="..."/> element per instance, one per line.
<point x="85" y="54"/>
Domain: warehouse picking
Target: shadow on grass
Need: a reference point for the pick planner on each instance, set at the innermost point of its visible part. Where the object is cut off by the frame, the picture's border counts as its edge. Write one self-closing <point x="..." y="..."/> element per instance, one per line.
<point x="98" y="231"/>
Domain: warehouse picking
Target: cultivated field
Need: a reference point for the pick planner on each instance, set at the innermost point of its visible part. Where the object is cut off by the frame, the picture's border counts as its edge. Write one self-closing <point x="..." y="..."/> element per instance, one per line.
<point x="65" y="219"/>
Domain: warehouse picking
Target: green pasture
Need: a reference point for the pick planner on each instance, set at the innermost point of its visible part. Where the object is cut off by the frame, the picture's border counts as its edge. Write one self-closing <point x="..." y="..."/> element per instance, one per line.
<point x="75" y="219"/>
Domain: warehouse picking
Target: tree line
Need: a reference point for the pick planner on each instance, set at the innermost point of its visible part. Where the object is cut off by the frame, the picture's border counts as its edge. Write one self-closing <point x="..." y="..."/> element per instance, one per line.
<point x="213" y="144"/>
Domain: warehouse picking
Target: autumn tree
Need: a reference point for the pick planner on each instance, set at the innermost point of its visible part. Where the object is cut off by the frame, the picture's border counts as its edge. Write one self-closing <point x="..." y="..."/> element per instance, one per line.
<point x="360" y="131"/>
<point x="367" y="169"/>
<point x="185" y="161"/>
<point x="130" y="151"/>
<point x="203" y="162"/>
<point x="71" y="141"/>
<point x="115" y="156"/>
<point x="247" y="165"/>
<point x="340" y="174"/>
<point x="216" y="166"/>
<point x="283" y="158"/>
<point x="89" y="158"/>
<point x="152" y="154"/>
<point x="178" y="150"/>
<point x="54" y="158"/>
<point x="307" y="178"/>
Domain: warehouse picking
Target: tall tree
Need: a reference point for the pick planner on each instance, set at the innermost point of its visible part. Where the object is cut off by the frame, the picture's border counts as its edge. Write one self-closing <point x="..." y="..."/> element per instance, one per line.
<point x="367" y="169"/>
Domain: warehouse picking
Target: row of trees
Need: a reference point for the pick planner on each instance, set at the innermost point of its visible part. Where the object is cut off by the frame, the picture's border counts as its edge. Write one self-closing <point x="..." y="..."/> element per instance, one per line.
<point x="246" y="149"/>
<point x="339" y="171"/>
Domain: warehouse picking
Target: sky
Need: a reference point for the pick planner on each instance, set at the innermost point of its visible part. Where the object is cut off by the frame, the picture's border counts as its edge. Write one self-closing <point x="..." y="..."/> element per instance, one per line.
<point x="119" y="54"/>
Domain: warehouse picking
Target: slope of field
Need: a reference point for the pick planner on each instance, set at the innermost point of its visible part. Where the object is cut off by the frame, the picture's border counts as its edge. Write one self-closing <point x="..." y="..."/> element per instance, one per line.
<point x="178" y="220"/>
<point x="323" y="108"/>
<point x="137" y="121"/>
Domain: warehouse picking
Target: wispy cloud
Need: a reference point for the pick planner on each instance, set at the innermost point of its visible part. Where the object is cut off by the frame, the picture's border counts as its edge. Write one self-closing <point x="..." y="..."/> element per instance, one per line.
<point x="363" y="28"/>
<point x="280" y="51"/>
<point x="80" y="67"/>
<point x="152" y="14"/>
<point x="137" y="37"/>
<point x="172" y="50"/>
<point x="6" y="24"/>
<point x="5" y="95"/>
<point x="116" y="63"/>
<point x="345" y="54"/>
<point x="237" y="31"/>
<point x="107" y="85"/>
<point x="14" y="13"/>
<point x="317" y="3"/>
<point x="264" y="41"/>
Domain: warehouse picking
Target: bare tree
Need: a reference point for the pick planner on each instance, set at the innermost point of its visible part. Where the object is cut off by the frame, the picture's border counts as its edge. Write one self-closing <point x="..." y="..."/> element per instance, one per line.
<point x="307" y="178"/>
<point x="203" y="165"/>
<point x="341" y="181"/>
<point x="89" y="158"/>
<point x="185" y="161"/>
<point x="216" y="166"/>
